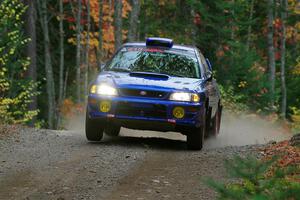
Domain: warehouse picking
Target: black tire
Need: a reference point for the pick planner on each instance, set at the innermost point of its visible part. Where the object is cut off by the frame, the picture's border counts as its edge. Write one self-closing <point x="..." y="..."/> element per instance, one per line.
<point x="93" y="129"/>
<point x="216" y="122"/>
<point x="208" y="119"/>
<point x="195" y="138"/>
<point x="112" y="130"/>
<point x="220" y="116"/>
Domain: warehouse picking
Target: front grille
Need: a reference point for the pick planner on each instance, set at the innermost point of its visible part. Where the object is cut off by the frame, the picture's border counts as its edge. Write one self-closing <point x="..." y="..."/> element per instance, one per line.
<point x="141" y="110"/>
<point x="142" y="93"/>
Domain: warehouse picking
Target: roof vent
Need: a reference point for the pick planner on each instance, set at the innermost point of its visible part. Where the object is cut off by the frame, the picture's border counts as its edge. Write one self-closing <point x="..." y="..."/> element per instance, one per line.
<point x="159" y="42"/>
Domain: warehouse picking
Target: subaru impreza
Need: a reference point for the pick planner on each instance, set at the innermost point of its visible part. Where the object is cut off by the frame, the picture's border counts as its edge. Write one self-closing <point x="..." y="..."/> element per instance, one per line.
<point x="155" y="85"/>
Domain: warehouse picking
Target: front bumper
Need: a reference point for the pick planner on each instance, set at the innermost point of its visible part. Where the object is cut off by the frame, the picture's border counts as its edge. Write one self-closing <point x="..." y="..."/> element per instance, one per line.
<point x="146" y="114"/>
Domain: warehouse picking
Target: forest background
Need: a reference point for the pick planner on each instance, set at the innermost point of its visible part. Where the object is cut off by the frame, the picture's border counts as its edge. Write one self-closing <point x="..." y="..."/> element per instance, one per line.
<point x="51" y="49"/>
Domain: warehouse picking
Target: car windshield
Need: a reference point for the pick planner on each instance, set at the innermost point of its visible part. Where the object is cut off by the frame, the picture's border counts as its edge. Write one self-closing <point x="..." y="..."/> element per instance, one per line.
<point x="156" y="60"/>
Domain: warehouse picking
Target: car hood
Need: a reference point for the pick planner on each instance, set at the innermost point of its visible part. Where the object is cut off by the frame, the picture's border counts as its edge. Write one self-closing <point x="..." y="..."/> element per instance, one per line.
<point x="149" y="81"/>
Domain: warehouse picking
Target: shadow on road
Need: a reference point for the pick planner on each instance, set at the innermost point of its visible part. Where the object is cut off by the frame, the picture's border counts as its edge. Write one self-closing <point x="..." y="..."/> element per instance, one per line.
<point x="144" y="142"/>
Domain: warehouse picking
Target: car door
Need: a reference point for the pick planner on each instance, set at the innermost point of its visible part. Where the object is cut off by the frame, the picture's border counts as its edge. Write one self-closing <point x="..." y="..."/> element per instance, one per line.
<point x="211" y="86"/>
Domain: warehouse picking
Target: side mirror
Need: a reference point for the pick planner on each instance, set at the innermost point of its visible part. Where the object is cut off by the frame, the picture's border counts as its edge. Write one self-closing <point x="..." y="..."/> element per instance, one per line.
<point x="209" y="64"/>
<point x="210" y="76"/>
<point x="102" y="66"/>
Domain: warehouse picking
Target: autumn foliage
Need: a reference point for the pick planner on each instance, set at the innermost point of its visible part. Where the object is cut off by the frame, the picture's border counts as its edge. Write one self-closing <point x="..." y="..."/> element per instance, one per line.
<point x="107" y="24"/>
<point x="232" y="34"/>
<point x="70" y="109"/>
<point x="288" y="155"/>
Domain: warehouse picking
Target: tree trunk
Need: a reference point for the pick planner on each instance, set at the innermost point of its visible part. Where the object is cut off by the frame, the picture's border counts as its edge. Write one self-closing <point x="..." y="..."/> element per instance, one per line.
<point x="86" y="74"/>
<point x="66" y="83"/>
<point x="232" y="36"/>
<point x="110" y="4"/>
<point x="62" y="52"/>
<point x="48" y="65"/>
<point x="134" y="18"/>
<point x="30" y="29"/>
<point x="62" y="59"/>
<point x="118" y="23"/>
<point x="283" y="53"/>
<point x="250" y="26"/>
<point x="78" y="48"/>
<point x="99" y="50"/>
<point x="271" y="53"/>
<point x="194" y="28"/>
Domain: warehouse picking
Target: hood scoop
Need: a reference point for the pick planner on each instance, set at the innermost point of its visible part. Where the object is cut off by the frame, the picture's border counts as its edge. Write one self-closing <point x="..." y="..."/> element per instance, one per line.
<point x="149" y="75"/>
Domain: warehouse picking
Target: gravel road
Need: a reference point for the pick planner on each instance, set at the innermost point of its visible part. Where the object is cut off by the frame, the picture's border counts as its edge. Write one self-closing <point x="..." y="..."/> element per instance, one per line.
<point x="45" y="164"/>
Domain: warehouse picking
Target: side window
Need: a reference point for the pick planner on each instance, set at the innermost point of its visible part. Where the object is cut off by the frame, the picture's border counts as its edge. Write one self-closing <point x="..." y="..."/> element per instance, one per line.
<point x="202" y="67"/>
<point x="206" y="68"/>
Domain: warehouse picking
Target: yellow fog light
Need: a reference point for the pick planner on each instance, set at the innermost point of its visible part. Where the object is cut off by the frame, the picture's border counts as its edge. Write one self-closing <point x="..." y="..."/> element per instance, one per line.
<point x="178" y="112"/>
<point x="195" y="98"/>
<point x="93" y="89"/>
<point x="105" y="106"/>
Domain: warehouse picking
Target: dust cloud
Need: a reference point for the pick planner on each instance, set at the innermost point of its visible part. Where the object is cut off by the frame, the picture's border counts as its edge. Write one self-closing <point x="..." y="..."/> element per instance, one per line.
<point x="246" y="130"/>
<point x="235" y="131"/>
<point x="75" y="123"/>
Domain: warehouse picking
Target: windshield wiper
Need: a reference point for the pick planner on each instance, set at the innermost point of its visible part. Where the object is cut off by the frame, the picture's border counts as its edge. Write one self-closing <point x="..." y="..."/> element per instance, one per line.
<point x="118" y="70"/>
<point x="176" y="75"/>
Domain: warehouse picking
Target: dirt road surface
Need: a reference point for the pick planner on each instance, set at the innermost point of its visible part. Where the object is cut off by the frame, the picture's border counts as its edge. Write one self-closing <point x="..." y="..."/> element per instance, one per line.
<point x="44" y="164"/>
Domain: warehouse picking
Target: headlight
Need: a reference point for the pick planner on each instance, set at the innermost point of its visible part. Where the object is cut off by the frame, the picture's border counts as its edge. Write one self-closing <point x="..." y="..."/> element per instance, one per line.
<point x="104" y="89"/>
<point x="184" y="96"/>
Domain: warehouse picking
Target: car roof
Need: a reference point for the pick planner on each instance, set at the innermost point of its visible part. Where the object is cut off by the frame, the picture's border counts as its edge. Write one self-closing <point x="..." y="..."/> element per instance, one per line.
<point x="175" y="46"/>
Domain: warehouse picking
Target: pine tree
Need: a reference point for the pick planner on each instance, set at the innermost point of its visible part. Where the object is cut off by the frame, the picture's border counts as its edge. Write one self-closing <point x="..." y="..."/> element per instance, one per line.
<point x="261" y="180"/>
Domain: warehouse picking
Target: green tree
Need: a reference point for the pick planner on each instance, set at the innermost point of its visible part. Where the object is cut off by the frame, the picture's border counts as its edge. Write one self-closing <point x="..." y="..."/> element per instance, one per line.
<point x="16" y="91"/>
<point x="258" y="180"/>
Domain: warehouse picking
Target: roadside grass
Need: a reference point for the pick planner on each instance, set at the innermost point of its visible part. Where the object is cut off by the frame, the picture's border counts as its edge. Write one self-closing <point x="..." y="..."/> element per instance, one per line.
<point x="274" y="175"/>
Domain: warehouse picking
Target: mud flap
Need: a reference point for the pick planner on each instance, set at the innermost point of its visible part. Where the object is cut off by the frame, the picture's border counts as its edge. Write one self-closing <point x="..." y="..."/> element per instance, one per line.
<point x="208" y="122"/>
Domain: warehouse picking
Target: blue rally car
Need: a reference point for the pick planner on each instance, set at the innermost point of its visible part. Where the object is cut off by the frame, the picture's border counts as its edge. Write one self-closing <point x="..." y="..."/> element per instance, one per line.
<point x="155" y="85"/>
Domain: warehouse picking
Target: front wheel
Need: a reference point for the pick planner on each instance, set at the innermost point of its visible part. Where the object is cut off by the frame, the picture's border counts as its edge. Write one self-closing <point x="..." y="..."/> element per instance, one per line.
<point x="195" y="138"/>
<point x="112" y="130"/>
<point x="93" y="129"/>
